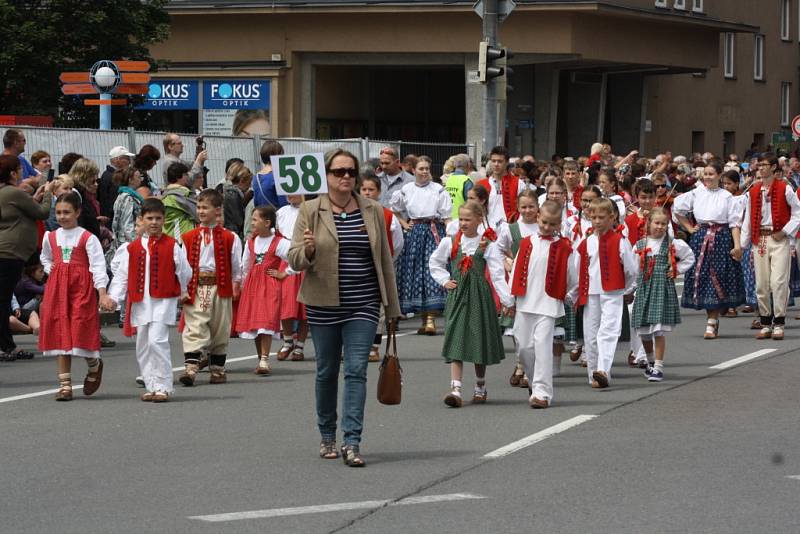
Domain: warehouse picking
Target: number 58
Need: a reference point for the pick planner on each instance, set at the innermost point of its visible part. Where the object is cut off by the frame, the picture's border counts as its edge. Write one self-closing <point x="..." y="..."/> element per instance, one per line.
<point x="310" y="176"/>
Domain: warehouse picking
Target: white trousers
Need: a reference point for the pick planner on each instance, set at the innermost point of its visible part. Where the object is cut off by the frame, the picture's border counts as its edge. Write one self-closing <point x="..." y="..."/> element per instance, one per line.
<point x="153" y="355"/>
<point x="772" y="270"/>
<point x="534" y="335"/>
<point x="636" y="340"/>
<point x="602" y="325"/>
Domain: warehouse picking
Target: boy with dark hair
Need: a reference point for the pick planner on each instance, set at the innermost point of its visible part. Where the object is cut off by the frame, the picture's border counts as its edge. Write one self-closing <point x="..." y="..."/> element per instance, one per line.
<point x="504" y="188"/>
<point x="179" y="202"/>
<point x="151" y="274"/>
<point x="215" y="256"/>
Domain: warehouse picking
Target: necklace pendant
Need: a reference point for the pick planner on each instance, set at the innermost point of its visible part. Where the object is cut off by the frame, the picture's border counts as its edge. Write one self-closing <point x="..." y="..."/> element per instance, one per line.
<point x="343" y="215"/>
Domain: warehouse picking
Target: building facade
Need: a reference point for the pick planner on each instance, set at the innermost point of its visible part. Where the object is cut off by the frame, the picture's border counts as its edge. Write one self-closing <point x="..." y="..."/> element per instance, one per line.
<point x="644" y="74"/>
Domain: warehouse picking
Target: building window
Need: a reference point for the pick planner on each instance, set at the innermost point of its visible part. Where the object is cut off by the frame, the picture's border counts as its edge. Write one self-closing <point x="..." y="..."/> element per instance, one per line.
<point x="698" y="142"/>
<point x="786" y="10"/>
<point x="785" y="101"/>
<point x="697" y="6"/>
<point x="728" y="143"/>
<point x="680" y="4"/>
<point x="728" y="48"/>
<point x="661" y="3"/>
<point x="758" y="58"/>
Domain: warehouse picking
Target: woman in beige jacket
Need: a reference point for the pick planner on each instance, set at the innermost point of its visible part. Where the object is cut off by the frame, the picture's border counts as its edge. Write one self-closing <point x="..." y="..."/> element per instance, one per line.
<point x="340" y="242"/>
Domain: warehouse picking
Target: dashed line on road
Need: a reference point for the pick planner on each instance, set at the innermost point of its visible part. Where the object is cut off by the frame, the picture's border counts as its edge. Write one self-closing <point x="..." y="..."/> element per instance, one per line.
<point x="539" y="436"/>
<point x="337" y="507"/>
<point x="742" y="359"/>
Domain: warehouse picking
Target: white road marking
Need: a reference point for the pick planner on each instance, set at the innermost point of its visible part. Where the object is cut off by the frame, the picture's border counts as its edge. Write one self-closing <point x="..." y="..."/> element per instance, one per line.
<point x="539" y="436"/>
<point x="742" y="359"/>
<point x="793" y="477"/>
<point x="338" y="507"/>
<point x="37" y="394"/>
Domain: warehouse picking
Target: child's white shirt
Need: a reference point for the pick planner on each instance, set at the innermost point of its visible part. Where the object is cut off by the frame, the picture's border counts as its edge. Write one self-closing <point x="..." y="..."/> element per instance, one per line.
<point x="68" y="240"/>
<point x="536" y="300"/>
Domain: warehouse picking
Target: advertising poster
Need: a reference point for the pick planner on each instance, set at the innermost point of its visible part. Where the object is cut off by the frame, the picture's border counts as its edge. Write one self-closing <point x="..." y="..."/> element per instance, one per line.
<point x="236" y="107"/>
<point x="167" y="95"/>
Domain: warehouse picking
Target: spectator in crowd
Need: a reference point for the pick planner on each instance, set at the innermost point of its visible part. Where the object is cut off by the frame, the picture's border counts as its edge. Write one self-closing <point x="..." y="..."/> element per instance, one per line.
<point x="18" y="241"/>
<point x="144" y="162"/>
<point x="393" y="177"/>
<point x="127" y="206"/>
<point x="43" y="164"/>
<point x="107" y="189"/>
<point x="67" y="161"/>
<point x="30" y="288"/>
<point x="173" y="148"/>
<point x="61" y="185"/>
<point x="14" y="145"/>
<point x="23" y="321"/>
<point x="179" y="202"/>
<point x="458" y="182"/>
<point x="85" y="174"/>
<point x="410" y="163"/>
<point x="237" y="182"/>
<point x="264" y="190"/>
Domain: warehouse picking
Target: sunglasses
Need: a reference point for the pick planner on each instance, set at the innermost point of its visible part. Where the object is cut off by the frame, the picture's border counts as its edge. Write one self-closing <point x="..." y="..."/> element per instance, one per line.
<point x="659" y="186"/>
<point x="341" y="173"/>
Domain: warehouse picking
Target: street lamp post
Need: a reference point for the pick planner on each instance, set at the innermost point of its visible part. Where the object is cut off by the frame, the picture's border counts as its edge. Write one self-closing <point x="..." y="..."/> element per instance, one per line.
<point x="105" y="78"/>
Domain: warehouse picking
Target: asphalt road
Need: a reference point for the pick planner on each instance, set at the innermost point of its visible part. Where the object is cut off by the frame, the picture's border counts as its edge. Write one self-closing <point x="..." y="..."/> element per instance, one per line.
<point x="706" y="450"/>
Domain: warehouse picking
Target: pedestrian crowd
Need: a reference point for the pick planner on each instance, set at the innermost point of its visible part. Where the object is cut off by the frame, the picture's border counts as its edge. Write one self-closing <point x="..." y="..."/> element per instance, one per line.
<point x="568" y="255"/>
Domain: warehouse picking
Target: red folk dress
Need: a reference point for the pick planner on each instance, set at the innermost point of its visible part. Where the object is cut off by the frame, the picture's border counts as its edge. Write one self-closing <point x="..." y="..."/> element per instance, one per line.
<point x="70" y="320"/>
<point x="291" y="308"/>
<point x="260" y="302"/>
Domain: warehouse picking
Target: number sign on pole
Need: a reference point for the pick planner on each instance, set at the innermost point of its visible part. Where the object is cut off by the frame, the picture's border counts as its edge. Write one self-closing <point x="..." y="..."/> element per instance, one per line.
<point x="299" y="174"/>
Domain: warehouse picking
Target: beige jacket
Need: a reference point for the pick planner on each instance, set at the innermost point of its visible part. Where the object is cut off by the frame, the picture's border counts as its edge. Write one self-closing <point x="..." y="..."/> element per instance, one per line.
<point x="320" y="286"/>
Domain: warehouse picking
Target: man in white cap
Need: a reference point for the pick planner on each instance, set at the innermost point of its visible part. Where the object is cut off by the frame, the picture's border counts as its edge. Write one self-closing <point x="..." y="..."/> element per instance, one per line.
<point x="120" y="158"/>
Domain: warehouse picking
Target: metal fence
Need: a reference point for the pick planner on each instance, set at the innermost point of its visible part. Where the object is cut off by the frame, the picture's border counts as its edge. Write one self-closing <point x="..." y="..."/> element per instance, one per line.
<point x="96" y="144"/>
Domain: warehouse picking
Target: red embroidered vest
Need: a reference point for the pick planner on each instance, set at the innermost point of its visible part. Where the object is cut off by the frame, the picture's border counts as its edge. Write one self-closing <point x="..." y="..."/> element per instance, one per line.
<point x="612" y="274"/>
<point x="387" y="219"/>
<point x="576" y="197"/>
<point x="636" y="228"/>
<point x="555" y="284"/>
<point x="779" y="207"/>
<point x="223" y="243"/>
<point x="509" y="190"/>
<point x="163" y="280"/>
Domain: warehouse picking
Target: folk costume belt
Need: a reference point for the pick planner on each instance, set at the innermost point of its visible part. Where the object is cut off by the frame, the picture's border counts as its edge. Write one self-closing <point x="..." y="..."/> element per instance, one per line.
<point x="207" y="279"/>
<point x="433" y="223"/>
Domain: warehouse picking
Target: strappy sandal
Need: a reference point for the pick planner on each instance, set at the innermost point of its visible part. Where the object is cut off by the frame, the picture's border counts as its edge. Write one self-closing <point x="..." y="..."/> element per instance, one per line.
<point x="352" y="457"/>
<point x="575" y="354"/>
<point x="297" y="355"/>
<point x="327" y="450"/>
<point x="92" y="381"/>
<point x="516" y="376"/>
<point x="160" y="396"/>
<point x="64" y="394"/>
<point x="284" y="352"/>
<point x="147" y="396"/>
<point x="712" y="329"/>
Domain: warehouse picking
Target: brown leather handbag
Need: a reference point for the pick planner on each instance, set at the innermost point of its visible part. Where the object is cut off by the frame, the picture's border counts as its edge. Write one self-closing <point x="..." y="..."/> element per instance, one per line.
<point x="390" y="379"/>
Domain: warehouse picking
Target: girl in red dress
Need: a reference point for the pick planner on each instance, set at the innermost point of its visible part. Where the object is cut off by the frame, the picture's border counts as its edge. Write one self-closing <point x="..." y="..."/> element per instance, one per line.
<point x="291" y="309"/>
<point x="259" y="316"/>
<point x="73" y="258"/>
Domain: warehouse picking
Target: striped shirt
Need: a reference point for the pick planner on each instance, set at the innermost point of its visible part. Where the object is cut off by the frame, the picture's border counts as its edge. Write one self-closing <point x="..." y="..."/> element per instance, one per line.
<point x="359" y="292"/>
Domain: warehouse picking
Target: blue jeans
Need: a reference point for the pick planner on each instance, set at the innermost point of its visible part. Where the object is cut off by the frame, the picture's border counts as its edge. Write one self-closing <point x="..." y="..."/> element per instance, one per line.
<point x="356" y="336"/>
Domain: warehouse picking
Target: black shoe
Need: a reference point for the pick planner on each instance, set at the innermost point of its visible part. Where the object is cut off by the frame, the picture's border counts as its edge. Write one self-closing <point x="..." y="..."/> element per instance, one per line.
<point x="23" y="355"/>
<point x="106" y="343"/>
<point x="7" y="357"/>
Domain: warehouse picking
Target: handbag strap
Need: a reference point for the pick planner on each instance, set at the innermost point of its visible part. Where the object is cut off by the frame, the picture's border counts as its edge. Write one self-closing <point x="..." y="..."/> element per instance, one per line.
<point x="391" y="338"/>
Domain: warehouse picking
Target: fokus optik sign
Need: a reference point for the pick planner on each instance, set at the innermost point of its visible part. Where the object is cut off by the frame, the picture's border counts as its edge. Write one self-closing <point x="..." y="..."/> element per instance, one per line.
<point x="236" y="94"/>
<point x="171" y="94"/>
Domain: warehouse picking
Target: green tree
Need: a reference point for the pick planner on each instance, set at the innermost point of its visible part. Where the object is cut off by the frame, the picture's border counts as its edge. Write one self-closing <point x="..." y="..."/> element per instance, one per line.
<point x="39" y="39"/>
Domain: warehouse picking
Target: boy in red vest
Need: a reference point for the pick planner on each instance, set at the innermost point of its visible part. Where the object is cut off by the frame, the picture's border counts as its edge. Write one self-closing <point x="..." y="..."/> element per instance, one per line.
<point x="606" y="277"/>
<point x="215" y="255"/>
<point x="150" y="274"/>
<point x="542" y="275"/>
<point x="504" y="188"/>
<point x="772" y="218"/>
<point x="575" y="188"/>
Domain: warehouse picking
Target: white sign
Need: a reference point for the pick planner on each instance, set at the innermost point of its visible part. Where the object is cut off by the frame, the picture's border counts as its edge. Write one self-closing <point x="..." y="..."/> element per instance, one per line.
<point x="218" y="121"/>
<point x="299" y="174"/>
<point x="796" y="126"/>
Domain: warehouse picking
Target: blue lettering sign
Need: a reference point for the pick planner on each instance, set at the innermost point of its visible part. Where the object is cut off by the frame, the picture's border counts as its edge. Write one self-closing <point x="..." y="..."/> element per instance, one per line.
<point x="235" y="94"/>
<point x="171" y="94"/>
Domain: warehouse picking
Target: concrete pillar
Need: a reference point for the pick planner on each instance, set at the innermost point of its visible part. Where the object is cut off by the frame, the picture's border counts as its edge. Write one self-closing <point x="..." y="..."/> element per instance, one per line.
<point x="308" y="95"/>
<point x="473" y="104"/>
<point x="545" y="110"/>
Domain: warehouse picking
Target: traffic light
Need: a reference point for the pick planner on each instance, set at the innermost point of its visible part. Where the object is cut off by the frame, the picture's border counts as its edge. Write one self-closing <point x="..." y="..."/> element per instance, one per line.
<point x="503" y="83"/>
<point x="491" y="62"/>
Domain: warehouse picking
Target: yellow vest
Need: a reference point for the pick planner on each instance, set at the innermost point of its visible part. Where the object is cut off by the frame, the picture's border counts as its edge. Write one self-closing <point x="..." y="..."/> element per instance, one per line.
<point x="455" y="188"/>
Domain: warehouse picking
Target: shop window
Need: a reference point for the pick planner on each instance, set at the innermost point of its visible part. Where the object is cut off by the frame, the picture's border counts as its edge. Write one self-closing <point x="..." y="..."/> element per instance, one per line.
<point x="728" y="143"/>
<point x="698" y="141"/>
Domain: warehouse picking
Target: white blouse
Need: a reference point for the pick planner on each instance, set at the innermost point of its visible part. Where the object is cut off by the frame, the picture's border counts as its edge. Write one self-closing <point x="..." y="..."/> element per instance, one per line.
<point x="286" y="217"/>
<point x="67" y="240"/>
<point x="572" y="232"/>
<point x="261" y="246"/>
<point x="710" y="206"/>
<point x="684" y="256"/>
<point x="429" y="201"/>
<point x="505" y="240"/>
<point x="440" y="261"/>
